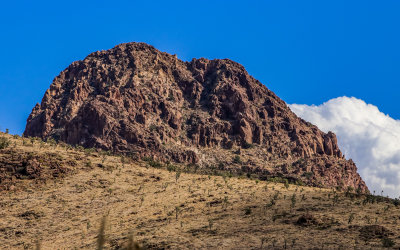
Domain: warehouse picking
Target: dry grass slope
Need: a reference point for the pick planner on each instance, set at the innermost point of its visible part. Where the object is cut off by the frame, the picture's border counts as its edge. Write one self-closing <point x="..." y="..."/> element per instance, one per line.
<point x="102" y="201"/>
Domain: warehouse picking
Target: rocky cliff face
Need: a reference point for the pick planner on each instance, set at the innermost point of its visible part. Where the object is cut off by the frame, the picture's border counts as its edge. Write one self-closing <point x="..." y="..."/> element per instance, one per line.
<point x="135" y="99"/>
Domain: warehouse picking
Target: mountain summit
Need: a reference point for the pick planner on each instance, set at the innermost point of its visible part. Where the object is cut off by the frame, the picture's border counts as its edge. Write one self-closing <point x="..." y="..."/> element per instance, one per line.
<point x="209" y="114"/>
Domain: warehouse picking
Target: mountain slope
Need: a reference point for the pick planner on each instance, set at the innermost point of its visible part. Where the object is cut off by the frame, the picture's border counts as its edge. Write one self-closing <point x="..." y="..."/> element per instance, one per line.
<point x="163" y="209"/>
<point x="136" y="100"/>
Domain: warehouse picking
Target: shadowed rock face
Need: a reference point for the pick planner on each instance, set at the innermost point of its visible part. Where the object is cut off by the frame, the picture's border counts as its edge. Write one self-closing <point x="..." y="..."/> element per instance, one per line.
<point x="136" y="99"/>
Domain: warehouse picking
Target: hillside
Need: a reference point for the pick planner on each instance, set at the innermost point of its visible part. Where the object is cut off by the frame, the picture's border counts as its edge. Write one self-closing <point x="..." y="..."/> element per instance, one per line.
<point x="210" y="114"/>
<point x="57" y="195"/>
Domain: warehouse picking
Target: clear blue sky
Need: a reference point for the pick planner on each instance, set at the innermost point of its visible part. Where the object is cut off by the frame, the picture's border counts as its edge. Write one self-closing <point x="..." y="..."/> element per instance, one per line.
<point x="305" y="51"/>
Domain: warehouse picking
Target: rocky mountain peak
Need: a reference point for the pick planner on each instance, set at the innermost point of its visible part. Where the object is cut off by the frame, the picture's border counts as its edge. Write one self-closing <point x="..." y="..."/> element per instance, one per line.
<point x="136" y="100"/>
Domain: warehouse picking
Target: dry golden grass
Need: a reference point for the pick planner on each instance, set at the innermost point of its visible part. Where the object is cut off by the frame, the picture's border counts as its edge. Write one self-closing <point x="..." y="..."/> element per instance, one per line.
<point x="158" y="210"/>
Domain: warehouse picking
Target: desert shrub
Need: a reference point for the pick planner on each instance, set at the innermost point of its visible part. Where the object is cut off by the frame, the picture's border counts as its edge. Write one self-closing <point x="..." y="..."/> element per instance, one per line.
<point x="247" y="211"/>
<point x="373" y="231"/>
<point x="192" y="167"/>
<point x="293" y="200"/>
<point x="349" y="191"/>
<point x="276" y="195"/>
<point x="387" y="242"/>
<point x="146" y="158"/>
<point x="177" y="210"/>
<point x="88" y="164"/>
<point x="177" y="175"/>
<point x="153" y="127"/>
<point x="171" y="167"/>
<point x="247" y="145"/>
<point x="237" y="159"/>
<point x="51" y="141"/>
<point x="89" y="151"/>
<point x="286" y="184"/>
<point x="308" y="175"/>
<point x="301" y="162"/>
<point x="32" y="139"/>
<point x="153" y="163"/>
<point x="4" y="142"/>
<point x="210" y="223"/>
<point x="369" y="198"/>
<point x="171" y="97"/>
<point x="271" y="204"/>
<point x="351" y="218"/>
<point x="278" y="179"/>
<point x="307" y="220"/>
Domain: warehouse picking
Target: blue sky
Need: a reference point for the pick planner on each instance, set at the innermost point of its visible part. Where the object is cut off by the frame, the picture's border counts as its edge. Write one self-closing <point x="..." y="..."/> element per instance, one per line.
<point x="307" y="52"/>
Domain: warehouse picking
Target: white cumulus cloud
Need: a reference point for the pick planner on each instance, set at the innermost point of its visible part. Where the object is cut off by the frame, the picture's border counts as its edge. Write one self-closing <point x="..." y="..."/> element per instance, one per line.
<point x="366" y="135"/>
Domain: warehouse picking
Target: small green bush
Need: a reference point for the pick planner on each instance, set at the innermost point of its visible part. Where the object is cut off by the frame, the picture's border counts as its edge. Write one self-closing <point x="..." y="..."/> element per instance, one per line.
<point x="153" y="163"/>
<point x="293" y="200"/>
<point x="387" y="242"/>
<point x="286" y="184"/>
<point x="177" y="175"/>
<point x="247" y="145"/>
<point x="351" y="218"/>
<point x="4" y="142"/>
<point x="51" y="141"/>
<point x="237" y="159"/>
<point x="153" y="127"/>
<point x="171" y="168"/>
<point x="308" y="175"/>
<point x="247" y="211"/>
<point x="88" y="164"/>
<point x="171" y="97"/>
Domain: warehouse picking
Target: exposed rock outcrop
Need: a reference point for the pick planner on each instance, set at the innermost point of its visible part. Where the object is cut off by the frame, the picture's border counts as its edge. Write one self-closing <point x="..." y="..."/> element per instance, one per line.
<point x="135" y="99"/>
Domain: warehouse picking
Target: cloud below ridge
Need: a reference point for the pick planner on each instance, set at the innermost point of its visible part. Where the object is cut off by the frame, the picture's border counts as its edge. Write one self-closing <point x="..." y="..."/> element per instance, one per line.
<point x="368" y="136"/>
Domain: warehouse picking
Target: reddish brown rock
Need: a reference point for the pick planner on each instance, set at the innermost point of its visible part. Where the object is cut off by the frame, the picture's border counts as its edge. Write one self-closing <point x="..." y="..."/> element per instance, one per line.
<point x="135" y="99"/>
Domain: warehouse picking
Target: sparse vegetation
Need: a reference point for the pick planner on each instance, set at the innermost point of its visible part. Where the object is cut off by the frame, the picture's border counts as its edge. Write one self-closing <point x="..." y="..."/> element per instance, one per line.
<point x="387" y="242"/>
<point x="171" y="167"/>
<point x="4" y="142"/>
<point x="153" y="163"/>
<point x="154" y="200"/>
<point x="153" y="127"/>
<point x="177" y="175"/>
<point x="293" y="200"/>
<point x="351" y="218"/>
<point x="247" y="211"/>
<point x="308" y="175"/>
<point x="237" y="159"/>
<point x="247" y="145"/>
